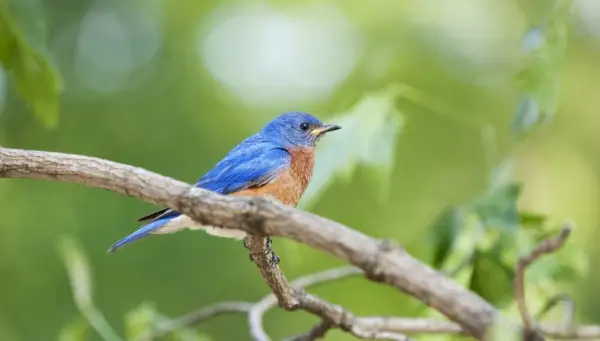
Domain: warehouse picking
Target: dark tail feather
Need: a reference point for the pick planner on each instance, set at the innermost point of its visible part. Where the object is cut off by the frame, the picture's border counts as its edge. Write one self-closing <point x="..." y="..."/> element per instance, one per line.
<point x="142" y="232"/>
<point x="153" y="215"/>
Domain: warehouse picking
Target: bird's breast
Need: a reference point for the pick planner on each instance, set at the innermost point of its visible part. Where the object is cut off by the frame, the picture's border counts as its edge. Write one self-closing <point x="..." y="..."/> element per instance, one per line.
<point x="290" y="185"/>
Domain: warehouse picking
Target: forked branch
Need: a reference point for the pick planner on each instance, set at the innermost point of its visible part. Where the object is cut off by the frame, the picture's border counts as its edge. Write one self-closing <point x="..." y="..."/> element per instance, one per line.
<point x="380" y="261"/>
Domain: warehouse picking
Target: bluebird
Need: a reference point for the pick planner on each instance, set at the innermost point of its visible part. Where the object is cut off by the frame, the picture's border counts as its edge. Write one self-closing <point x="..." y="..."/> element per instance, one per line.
<point x="278" y="162"/>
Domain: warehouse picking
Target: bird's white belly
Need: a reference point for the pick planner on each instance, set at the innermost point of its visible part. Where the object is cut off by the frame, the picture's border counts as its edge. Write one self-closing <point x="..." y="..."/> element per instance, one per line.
<point x="182" y="222"/>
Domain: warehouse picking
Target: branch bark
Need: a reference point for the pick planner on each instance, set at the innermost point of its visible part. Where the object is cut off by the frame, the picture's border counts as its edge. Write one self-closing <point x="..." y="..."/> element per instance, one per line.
<point x="381" y="261"/>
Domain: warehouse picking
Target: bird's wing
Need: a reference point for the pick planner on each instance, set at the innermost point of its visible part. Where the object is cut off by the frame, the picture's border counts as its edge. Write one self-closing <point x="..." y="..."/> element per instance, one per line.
<point x="248" y="165"/>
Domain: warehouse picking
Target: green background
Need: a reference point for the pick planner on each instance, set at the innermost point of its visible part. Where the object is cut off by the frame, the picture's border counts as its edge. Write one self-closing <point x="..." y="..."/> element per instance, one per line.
<point x="447" y="74"/>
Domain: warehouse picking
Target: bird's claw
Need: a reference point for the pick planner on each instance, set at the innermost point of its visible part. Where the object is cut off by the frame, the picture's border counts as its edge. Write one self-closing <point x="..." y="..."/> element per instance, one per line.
<point x="273" y="258"/>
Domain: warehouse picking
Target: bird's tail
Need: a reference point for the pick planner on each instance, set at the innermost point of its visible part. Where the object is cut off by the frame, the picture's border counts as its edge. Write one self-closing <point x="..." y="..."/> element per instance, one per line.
<point x="140" y="233"/>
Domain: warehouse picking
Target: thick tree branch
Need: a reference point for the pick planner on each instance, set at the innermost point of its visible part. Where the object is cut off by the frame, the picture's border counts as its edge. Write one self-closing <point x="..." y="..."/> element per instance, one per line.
<point x="381" y="261"/>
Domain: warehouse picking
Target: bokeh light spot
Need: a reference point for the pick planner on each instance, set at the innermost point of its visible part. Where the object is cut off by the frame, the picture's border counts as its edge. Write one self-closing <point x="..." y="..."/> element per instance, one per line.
<point x="265" y="56"/>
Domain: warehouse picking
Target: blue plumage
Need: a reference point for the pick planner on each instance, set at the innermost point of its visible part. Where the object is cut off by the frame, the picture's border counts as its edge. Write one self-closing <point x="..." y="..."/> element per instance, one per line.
<point x="254" y="162"/>
<point x="143" y="231"/>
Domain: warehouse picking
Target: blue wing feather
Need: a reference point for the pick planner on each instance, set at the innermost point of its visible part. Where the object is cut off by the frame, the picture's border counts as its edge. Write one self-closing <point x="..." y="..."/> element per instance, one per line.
<point x="252" y="163"/>
<point x="248" y="165"/>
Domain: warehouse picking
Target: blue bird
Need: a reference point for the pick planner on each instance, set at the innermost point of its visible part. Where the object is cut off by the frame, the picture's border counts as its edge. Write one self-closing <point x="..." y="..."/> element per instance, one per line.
<point x="278" y="162"/>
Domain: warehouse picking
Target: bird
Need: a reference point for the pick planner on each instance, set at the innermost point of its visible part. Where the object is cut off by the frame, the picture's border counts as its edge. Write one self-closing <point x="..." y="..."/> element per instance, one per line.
<point x="276" y="162"/>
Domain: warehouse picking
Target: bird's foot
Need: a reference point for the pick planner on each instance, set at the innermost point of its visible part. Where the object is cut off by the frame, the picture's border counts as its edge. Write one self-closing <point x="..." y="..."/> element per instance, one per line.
<point x="273" y="258"/>
<point x="269" y="243"/>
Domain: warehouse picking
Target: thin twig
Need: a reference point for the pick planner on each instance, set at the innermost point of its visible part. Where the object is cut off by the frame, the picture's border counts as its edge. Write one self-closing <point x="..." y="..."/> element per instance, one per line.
<point x="196" y="317"/>
<point x="316" y="332"/>
<point x="553" y="302"/>
<point x="545" y="247"/>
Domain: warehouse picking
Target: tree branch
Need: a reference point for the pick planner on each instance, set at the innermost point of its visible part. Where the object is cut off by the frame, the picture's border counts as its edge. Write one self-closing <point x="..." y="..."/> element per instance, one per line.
<point x="547" y="246"/>
<point x="316" y="332"/>
<point x="381" y="261"/>
<point x="261" y="254"/>
<point x="333" y="316"/>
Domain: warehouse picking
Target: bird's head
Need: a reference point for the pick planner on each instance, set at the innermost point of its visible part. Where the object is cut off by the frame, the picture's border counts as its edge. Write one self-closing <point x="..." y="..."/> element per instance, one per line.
<point x="297" y="130"/>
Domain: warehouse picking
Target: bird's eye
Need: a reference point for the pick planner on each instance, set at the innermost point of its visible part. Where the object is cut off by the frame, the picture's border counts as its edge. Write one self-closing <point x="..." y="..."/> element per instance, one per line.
<point x="304" y="126"/>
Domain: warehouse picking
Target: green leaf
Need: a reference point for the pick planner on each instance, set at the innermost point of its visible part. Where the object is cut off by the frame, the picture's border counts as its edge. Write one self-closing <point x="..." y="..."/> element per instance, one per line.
<point x="443" y="234"/>
<point x="140" y="320"/>
<point x="368" y="138"/>
<point x="75" y="331"/>
<point x="569" y="263"/>
<point x="539" y="80"/>
<point x="458" y="262"/>
<point x="532" y="219"/>
<point x="499" y="209"/>
<point x="492" y="280"/>
<point x="24" y="56"/>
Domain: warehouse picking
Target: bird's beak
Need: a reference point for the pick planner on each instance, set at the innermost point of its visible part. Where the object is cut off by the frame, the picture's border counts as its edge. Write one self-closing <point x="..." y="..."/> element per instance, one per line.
<point x="325" y="129"/>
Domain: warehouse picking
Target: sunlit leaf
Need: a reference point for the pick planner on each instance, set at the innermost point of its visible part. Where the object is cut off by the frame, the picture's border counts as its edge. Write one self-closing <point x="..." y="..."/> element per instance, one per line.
<point x="76" y="331"/>
<point x="368" y="138"/>
<point x="140" y="320"/>
<point x="24" y="56"/>
<point x="532" y="219"/>
<point x="572" y="262"/>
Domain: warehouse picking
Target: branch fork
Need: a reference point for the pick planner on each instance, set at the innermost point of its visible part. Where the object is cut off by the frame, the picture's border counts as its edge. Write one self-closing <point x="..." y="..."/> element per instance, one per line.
<point x="380" y="261"/>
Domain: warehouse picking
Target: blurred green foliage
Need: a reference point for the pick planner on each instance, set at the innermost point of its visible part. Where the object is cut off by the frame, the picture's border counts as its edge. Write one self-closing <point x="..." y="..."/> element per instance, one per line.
<point x="427" y="156"/>
<point x="24" y="54"/>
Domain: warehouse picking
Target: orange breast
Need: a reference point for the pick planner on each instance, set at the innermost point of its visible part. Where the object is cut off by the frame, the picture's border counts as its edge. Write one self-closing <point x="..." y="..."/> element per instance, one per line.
<point x="291" y="184"/>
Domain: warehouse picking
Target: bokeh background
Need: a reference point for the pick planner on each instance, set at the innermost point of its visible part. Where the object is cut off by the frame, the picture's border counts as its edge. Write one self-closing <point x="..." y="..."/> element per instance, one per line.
<point x="440" y="101"/>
